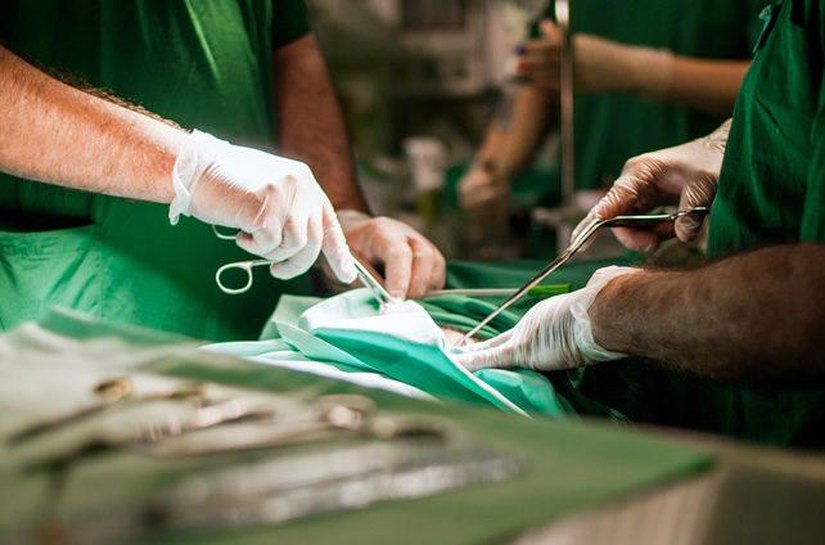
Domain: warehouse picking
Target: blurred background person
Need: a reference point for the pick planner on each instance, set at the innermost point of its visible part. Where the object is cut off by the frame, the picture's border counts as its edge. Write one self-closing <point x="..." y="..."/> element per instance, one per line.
<point x="648" y="74"/>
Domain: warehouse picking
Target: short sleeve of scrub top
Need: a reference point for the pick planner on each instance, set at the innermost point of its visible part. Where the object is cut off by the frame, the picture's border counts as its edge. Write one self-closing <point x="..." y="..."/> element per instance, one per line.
<point x="290" y="21"/>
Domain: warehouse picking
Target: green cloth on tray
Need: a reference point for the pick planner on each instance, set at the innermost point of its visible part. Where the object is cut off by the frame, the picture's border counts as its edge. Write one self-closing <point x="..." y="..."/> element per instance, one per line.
<point x="570" y="465"/>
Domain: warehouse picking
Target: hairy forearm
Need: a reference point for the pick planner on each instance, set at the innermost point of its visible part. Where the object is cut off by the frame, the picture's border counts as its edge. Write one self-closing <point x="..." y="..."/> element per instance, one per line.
<point x="710" y="86"/>
<point x="54" y="133"/>
<point x="752" y="317"/>
<point x="310" y="122"/>
<point x="511" y="143"/>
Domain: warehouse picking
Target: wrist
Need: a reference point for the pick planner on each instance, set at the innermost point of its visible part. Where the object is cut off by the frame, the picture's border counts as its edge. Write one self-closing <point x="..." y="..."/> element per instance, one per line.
<point x="194" y="156"/>
<point x="590" y="314"/>
<point x="648" y="72"/>
<point x="718" y="139"/>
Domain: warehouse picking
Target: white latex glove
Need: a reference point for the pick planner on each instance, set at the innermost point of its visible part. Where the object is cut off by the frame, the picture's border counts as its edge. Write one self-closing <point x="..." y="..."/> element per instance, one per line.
<point x="555" y="334"/>
<point x="600" y="65"/>
<point x="412" y="265"/>
<point x="281" y="211"/>
<point x="685" y="175"/>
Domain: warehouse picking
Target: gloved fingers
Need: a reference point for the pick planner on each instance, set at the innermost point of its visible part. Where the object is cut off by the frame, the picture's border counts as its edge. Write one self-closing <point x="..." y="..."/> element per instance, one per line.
<point x="494" y="342"/>
<point x="699" y="193"/>
<point x="262" y="242"/>
<point x="638" y="240"/>
<point x="501" y="355"/>
<point x="334" y="247"/>
<point x="294" y="238"/>
<point x="398" y="261"/>
<point x="687" y="228"/>
<point x="302" y="260"/>
<point x="627" y="196"/>
<point x="428" y="268"/>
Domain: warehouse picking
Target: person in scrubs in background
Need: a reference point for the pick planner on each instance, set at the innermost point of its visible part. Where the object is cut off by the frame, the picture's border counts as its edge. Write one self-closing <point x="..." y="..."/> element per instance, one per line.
<point x="648" y="74"/>
<point x="748" y="324"/>
<point x="92" y="183"/>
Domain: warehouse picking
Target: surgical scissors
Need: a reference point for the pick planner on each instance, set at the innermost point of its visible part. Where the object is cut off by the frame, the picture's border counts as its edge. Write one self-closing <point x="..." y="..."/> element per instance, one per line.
<point x="640" y="220"/>
<point x="364" y="274"/>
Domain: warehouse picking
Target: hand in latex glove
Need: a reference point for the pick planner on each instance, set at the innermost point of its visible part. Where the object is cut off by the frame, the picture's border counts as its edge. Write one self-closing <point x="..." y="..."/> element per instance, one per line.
<point x="412" y="265"/>
<point x="482" y="186"/>
<point x="282" y="212"/>
<point x="685" y="175"/>
<point x="555" y="334"/>
<point x="600" y="65"/>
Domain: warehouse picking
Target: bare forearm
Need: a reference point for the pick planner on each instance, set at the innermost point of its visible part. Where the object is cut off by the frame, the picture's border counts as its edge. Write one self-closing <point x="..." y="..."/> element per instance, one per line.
<point x="511" y="144"/>
<point x="310" y="121"/>
<point x="754" y="316"/>
<point x="57" y="134"/>
<point x="710" y="86"/>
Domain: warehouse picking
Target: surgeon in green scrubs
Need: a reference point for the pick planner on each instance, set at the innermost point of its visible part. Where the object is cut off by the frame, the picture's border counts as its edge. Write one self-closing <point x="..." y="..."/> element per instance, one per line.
<point x="648" y="74"/>
<point x="85" y="223"/>
<point x="735" y="346"/>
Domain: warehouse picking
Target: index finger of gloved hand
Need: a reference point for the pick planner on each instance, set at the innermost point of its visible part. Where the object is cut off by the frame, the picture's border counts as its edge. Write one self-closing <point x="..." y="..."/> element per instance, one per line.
<point x="335" y="249"/>
<point x="620" y="200"/>
<point x="300" y="262"/>
<point x="497" y="356"/>
<point x="623" y="198"/>
<point x="398" y="258"/>
<point x="425" y="262"/>
<point x="494" y="342"/>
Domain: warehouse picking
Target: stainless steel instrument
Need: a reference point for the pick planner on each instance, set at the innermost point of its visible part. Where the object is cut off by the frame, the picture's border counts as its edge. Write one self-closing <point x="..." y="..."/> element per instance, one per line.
<point x="364" y="275"/>
<point x="636" y="221"/>
<point x="566" y="111"/>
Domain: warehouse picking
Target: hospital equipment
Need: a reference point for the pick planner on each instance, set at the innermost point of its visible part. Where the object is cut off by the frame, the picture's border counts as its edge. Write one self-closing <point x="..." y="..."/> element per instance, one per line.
<point x="113" y="392"/>
<point x="353" y="477"/>
<point x="568" y="154"/>
<point x="364" y="275"/>
<point x="539" y="291"/>
<point x="334" y="416"/>
<point x="202" y="418"/>
<point x="634" y="221"/>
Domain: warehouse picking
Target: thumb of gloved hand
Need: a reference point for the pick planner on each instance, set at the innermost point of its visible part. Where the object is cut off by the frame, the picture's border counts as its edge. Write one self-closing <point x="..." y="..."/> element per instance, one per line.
<point x="555" y="334"/>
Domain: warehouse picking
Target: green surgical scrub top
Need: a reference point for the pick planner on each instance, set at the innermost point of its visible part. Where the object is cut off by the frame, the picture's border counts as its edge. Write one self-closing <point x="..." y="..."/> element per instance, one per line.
<point x="771" y="191"/>
<point x="610" y="128"/>
<point x="201" y="64"/>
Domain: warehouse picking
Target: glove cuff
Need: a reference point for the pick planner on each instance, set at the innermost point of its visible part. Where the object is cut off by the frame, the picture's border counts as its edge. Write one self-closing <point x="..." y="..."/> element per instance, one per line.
<point x="193" y="159"/>
<point x="582" y="326"/>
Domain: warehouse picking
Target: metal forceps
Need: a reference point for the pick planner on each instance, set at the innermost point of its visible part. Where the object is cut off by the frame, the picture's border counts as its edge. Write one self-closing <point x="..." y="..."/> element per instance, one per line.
<point x="366" y="278"/>
<point x="640" y="220"/>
